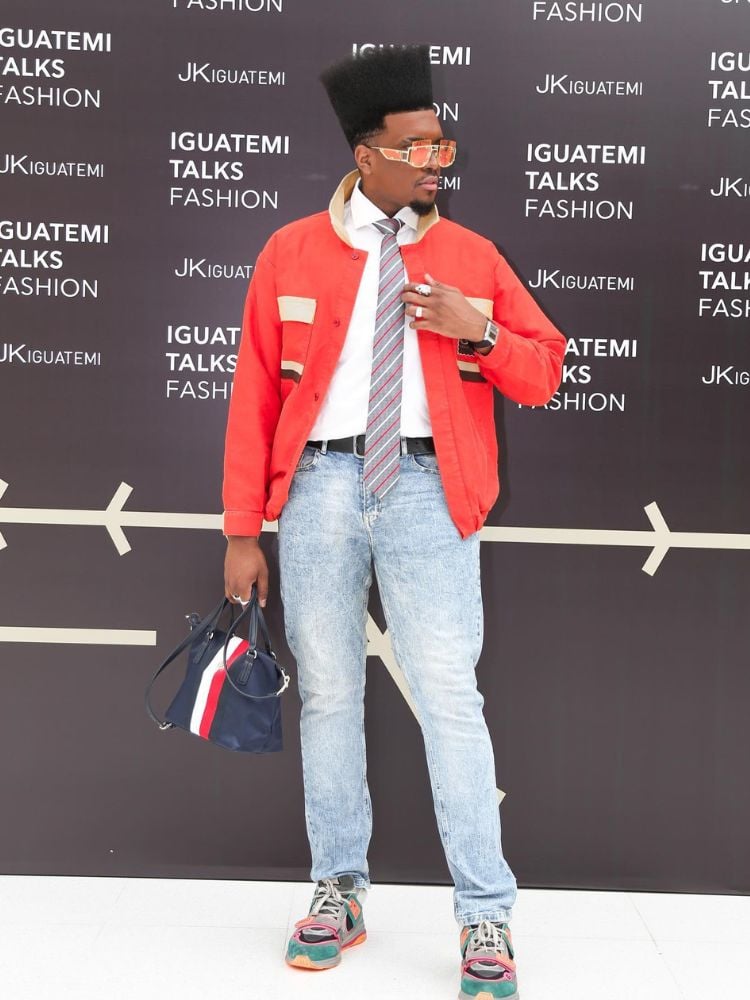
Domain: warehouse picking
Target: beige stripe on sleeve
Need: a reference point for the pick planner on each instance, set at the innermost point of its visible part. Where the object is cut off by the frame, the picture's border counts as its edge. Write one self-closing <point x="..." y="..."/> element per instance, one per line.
<point x="483" y="305"/>
<point x="296" y="308"/>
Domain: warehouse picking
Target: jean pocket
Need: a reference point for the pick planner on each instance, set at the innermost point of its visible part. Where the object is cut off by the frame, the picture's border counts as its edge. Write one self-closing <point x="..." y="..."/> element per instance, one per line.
<point x="426" y="462"/>
<point x="308" y="458"/>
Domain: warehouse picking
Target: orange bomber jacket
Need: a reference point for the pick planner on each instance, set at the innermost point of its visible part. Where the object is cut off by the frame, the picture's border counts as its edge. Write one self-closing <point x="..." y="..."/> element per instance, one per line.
<point x="297" y="311"/>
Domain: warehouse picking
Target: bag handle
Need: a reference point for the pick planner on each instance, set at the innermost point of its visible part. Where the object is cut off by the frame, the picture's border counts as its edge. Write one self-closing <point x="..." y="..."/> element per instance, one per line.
<point x="256" y="617"/>
<point x="208" y="624"/>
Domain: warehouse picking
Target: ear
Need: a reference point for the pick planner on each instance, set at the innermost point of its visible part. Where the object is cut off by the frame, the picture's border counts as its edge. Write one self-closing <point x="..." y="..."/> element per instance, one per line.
<point x="363" y="157"/>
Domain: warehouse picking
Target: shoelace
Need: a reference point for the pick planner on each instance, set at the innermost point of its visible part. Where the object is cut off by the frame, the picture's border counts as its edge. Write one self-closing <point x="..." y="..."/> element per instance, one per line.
<point x="327" y="899"/>
<point x="487" y="935"/>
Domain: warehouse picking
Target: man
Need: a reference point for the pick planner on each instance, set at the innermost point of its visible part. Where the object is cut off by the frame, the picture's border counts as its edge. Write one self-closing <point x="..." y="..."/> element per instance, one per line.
<point x="362" y="418"/>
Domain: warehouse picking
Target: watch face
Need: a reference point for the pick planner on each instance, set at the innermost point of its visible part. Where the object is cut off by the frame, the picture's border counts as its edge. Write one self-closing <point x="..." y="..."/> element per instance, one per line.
<point x="490" y="335"/>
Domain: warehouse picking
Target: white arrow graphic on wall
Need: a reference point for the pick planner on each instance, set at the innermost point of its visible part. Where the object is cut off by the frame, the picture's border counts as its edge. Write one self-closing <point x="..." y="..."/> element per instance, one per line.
<point x="114" y="518"/>
<point x="660" y="539"/>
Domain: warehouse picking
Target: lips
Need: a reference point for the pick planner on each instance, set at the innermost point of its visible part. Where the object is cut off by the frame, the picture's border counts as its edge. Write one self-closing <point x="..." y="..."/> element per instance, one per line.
<point x="431" y="183"/>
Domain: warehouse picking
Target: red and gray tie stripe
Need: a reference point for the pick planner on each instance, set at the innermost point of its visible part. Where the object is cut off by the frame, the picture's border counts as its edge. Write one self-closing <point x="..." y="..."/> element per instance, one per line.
<point x="383" y="434"/>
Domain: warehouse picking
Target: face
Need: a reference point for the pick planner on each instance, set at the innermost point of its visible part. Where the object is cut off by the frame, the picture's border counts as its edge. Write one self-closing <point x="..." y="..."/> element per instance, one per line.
<point x="391" y="184"/>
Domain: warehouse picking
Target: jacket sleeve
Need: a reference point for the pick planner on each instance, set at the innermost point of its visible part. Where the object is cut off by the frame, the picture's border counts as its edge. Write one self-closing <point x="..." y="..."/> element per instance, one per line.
<point x="526" y="362"/>
<point x="254" y="406"/>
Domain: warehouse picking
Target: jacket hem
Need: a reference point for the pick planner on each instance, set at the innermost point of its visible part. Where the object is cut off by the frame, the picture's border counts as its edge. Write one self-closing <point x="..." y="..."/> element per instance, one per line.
<point x="243" y="522"/>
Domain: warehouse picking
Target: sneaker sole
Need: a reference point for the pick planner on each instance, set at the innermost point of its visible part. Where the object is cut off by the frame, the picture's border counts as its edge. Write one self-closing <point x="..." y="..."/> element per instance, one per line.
<point x="307" y="963"/>
<point x="484" y="995"/>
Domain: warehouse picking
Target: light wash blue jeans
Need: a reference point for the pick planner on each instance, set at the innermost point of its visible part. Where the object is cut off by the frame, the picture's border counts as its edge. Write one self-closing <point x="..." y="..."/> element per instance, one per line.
<point x="331" y="531"/>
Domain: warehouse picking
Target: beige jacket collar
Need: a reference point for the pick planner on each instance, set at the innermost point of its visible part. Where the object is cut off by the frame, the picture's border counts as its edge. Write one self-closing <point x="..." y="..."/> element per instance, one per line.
<point x="343" y="192"/>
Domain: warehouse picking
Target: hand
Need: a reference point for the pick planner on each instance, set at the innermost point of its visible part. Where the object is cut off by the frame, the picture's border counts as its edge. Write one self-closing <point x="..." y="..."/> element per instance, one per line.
<point x="446" y="311"/>
<point x="245" y="565"/>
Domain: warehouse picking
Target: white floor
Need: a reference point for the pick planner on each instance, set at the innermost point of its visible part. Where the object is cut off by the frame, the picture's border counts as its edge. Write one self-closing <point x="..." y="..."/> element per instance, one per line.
<point x="131" y="939"/>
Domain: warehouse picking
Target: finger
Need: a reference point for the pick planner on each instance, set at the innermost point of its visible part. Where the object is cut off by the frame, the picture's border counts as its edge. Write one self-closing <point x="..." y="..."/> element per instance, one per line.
<point x="262" y="588"/>
<point x="416" y="298"/>
<point x="419" y="324"/>
<point x="419" y="287"/>
<point x="432" y="281"/>
<point x="236" y="592"/>
<point x="412" y="311"/>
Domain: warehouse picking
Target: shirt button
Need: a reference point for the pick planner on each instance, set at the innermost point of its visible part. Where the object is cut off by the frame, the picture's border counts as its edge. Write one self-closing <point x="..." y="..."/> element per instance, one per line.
<point x="337" y="322"/>
<point x="316" y="395"/>
<point x="355" y="256"/>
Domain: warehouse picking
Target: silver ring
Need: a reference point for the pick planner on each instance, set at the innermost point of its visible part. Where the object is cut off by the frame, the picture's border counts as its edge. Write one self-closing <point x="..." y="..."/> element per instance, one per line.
<point x="423" y="289"/>
<point x="418" y="312"/>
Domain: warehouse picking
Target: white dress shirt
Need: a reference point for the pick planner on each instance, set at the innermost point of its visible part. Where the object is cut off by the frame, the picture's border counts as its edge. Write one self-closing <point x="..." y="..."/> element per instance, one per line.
<point x="344" y="409"/>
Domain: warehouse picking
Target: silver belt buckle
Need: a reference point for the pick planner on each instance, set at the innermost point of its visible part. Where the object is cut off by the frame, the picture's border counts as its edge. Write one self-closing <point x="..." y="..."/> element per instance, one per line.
<point x="354" y="447"/>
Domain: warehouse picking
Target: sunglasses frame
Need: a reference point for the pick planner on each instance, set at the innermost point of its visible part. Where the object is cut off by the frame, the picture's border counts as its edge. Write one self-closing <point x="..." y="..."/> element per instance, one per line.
<point x="404" y="154"/>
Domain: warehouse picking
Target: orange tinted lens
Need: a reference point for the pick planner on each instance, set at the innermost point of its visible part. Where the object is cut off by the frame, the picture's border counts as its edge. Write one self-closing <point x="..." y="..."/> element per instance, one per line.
<point x="419" y="156"/>
<point x="446" y="155"/>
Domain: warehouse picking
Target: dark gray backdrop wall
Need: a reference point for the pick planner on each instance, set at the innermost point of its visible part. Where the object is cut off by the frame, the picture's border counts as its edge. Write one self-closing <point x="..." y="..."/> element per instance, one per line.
<point x="147" y="151"/>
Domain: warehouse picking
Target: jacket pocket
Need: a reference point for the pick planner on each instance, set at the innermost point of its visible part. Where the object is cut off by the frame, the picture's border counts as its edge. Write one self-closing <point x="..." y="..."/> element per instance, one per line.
<point x="297" y="314"/>
<point x="468" y="366"/>
<point x="466" y="356"/>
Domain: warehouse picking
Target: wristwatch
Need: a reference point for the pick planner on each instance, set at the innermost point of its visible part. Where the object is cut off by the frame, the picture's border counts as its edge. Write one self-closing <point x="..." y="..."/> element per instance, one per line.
<point x="491" y="331"/>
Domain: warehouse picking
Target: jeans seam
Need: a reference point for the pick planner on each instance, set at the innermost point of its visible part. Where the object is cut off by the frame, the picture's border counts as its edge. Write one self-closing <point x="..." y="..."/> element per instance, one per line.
<point x="365" y="795"/>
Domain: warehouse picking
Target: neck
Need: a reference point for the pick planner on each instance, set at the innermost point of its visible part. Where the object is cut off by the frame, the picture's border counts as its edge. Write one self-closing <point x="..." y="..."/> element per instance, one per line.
<point x="385" y="205"/>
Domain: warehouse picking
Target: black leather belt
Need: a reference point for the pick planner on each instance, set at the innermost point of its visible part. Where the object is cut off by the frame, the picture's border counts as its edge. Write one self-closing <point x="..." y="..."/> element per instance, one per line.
<point x="356" y="444"/>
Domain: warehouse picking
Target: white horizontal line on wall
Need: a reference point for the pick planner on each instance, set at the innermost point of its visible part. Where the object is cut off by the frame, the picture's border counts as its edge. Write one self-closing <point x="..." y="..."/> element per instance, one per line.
<point x="94" y="636"/>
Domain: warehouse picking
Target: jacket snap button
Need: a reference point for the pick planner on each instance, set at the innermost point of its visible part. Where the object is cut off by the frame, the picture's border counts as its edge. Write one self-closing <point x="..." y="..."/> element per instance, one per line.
<point x="316" y="395"/>
<point x="337" y="322"/>
<point x="355" y="256"/>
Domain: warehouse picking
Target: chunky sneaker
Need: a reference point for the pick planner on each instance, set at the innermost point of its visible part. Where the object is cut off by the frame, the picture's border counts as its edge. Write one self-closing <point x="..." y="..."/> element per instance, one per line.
<point x="488" y="969"/>
<point x="335" y="922"/>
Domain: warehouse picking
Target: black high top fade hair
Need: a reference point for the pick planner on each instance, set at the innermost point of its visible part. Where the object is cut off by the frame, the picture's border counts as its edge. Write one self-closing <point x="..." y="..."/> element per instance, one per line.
<point x="365" y="88"/>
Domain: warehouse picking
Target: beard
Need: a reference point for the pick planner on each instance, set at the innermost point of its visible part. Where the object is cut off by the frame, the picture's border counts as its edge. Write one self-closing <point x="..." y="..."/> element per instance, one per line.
<point x="421" y="207"/>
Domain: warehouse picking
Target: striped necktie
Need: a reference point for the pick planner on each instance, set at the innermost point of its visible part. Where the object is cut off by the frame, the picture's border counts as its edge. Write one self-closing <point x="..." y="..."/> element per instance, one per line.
<point x="383" y="434"/>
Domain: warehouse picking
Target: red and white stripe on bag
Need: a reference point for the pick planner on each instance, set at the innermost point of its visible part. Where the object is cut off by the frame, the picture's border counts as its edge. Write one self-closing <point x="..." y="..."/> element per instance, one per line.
<point x="210" y="687"/>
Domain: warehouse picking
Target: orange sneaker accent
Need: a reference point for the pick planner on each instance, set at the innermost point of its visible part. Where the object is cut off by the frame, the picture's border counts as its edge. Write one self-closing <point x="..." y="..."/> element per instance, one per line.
<point x="303" y="962"/>
<point x="357" y="940"/>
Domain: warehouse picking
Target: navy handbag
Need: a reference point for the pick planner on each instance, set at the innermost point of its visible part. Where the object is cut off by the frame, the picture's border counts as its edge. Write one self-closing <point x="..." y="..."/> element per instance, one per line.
<point x="231" y="692"/>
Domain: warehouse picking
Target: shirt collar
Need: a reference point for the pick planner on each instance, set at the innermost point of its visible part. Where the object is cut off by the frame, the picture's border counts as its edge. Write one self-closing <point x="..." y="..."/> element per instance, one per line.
<point x="338" y="210"/>
<point x="364" y="212"/>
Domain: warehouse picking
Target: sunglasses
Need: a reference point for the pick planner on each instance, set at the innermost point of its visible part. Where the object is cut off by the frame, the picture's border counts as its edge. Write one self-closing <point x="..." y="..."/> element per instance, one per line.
<point x="420" y="152"/>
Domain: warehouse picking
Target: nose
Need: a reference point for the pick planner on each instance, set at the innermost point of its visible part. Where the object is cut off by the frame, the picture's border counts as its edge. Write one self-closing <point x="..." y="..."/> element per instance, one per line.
<point x="432" y="167"/>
